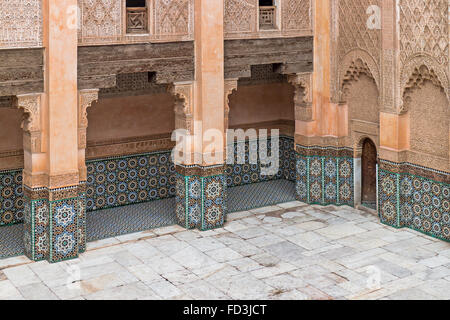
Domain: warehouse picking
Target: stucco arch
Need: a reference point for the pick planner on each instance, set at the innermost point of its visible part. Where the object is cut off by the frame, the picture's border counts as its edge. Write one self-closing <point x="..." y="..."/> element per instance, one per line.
<point x="352" y="65"/>
<point x="415" y="71"/>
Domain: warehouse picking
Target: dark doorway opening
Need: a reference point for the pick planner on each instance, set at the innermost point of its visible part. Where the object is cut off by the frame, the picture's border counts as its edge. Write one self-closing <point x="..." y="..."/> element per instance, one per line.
<point x="369" y="174"/>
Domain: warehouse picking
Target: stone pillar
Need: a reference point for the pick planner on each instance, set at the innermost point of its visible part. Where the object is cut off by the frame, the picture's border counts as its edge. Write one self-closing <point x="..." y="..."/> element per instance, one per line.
<point x="201" y="188"/>
<point x="54" y="219"/>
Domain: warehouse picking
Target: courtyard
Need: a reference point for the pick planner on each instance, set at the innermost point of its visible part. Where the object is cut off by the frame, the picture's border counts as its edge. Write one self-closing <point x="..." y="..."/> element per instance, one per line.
<point x="288" y="251"/>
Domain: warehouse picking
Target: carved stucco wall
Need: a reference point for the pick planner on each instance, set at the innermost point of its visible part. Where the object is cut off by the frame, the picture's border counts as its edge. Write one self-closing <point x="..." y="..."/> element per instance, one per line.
<point x="241" y="18"/>
<point x="424" y="39"/>
<point x="354" y="40"/>
<point x="20" y="23"/>
<point x="102" y="21"/>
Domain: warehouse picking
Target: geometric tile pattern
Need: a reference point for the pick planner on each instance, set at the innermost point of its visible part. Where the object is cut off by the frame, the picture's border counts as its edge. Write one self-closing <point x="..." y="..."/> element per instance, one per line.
<point x="251" y="196"/>
<point x="11" y="197"/>
<point x="54" y="224"/>
<point x="323" y="179"/>
<point x="201" y="201"/>
<point x="108" y="223"/>
<point x="11" y="241"/>
<point x="238" y="174"/>
<point x="121" y="181"/>
<point x="412" y="201"/>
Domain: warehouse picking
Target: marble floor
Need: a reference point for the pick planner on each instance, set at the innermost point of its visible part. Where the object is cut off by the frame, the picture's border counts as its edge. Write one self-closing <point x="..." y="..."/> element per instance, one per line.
<point x="287" y="251"/>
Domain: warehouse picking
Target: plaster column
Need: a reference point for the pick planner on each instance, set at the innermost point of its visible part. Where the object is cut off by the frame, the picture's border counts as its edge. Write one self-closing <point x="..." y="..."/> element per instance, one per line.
<point x="54" y="214"/>
<point x="201" y="187"/>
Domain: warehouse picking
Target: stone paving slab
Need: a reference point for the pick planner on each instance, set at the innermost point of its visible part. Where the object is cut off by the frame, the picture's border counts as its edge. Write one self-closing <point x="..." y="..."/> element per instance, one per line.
<point x="287" y="251"/>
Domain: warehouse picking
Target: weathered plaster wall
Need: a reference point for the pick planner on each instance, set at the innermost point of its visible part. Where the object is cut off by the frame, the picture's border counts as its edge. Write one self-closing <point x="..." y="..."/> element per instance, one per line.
<point x="261" y="103"/>
<point x="130" y="116"/>
<point x="10" y="131"/>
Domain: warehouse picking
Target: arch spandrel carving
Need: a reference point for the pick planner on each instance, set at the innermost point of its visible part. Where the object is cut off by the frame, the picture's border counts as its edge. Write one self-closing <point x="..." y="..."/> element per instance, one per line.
<point x="352" y="65"/>
<point x="416" y="70"/>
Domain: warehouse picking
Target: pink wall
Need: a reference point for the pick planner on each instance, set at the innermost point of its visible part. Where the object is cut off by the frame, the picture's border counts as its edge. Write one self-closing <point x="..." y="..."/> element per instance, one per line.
<point x="260" y="103"/>
<point x="131" y="116"/>
<point x="11" y="134"/>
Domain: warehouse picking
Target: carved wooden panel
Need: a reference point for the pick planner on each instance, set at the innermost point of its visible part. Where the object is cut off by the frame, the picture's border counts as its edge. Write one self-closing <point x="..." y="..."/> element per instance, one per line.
<point x="20" y="23"/>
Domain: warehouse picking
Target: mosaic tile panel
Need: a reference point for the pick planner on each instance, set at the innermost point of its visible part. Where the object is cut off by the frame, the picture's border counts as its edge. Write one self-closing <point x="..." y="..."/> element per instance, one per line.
<point x="64" y="233"/>
<point x="36" y="229"/>
<point x="239" y="173"/>
<point x="412" y="201"/>
<point x="11" y="197"/>
<point x="324" y="179"/>
<point x="388" y="197"/>
<point x="201" y="201"/>
<point x="121" y="181"/>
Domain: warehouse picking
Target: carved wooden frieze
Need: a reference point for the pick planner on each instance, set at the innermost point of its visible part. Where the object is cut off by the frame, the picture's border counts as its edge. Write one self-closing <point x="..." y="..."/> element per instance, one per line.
<point x="20" y="23"/>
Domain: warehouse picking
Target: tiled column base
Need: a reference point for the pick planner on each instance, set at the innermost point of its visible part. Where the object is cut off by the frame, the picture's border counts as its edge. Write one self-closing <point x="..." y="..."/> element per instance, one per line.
<point x="414" y="197"/>
<point x="324" y="175"/>
<point x="55" y="223"/>
<point x="201" y="197"/>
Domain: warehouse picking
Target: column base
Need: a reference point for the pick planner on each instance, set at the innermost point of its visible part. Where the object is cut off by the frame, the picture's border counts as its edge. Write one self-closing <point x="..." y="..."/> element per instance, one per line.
<point x="201" y="197"/>
<point x="54" y="223"/>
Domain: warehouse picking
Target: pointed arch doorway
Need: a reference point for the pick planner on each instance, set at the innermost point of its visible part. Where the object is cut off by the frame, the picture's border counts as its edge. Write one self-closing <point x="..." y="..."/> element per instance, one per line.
<point x="369" y="160"/>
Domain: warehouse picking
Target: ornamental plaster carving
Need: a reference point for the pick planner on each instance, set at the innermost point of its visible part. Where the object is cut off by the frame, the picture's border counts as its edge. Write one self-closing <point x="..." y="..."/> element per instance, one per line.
<point x="415" y="71"/>
<point x="354" y="64"/>
<point x="303" y="84"/>
<point x="183" y="93"/>
<point x="20" y="23"/>
<point x="424" y="28"/>
<point x="174" y="17"/>
<point x="297" y="14"/>
<point x="240" y="16"/>
<point x="101" y="20"/>
<point x="353" y="30"/>
<point x="85" y="100"/>
<point x="31" y="124"/>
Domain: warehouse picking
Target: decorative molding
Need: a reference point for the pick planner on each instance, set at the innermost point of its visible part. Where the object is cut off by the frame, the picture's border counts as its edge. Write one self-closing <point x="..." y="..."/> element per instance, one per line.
<point x="352" y="66"/>
<point x="303" y="96"/>
<point x="415" y="71"/>
<point x="85" y="99"/>
<point x="183" y="93"/>
<point x="31" y="124"/>
<point x="20" y="23"/>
